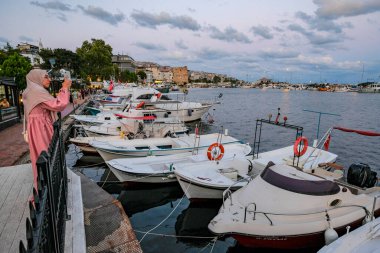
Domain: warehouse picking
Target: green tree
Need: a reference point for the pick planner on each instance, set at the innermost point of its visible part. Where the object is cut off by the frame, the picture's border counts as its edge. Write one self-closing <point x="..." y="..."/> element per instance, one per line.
<point x="64" y="59"/>
<point x="126" y="76"/>
<point x="7" y="51"/>
<point x="16" y="66"/>
<point x="141" y="74"/>
<point x="96" y="59"/>
<point x="216" y="79"/>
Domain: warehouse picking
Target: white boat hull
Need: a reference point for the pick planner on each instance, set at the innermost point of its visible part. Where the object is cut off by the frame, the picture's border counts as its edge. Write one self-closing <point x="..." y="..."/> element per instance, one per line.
<point x="196" y="192"/>
<point x="163" y="178"/>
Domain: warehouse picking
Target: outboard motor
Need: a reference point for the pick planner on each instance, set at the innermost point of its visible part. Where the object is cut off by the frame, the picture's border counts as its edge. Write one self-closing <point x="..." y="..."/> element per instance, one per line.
<point x="361" y="175"/>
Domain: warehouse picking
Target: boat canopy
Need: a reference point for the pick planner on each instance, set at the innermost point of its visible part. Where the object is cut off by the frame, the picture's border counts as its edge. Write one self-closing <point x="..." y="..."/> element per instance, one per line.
<point x="308" y="187"/>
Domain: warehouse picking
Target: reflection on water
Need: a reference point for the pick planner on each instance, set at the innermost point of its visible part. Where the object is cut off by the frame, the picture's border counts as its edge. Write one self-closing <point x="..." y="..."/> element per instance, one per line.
<point x="150" y="206"/>
<point x="140" y="199"/>
<point x="193" y="222"/>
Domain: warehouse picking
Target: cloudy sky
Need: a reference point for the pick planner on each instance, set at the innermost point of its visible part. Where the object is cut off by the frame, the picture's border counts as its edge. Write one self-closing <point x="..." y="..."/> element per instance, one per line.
<point x="287" y="40"/>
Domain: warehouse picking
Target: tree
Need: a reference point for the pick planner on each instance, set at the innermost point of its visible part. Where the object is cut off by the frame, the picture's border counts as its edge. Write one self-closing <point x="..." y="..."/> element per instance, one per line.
<point x="96" y="59"/>
<point x="127" y="76"/>
<point x="16" y="66"/>
<point x="7" y="51"/>
<point x="216" y="79"/>
<point x="141" y="74"/>
<point x="64" y="59"/>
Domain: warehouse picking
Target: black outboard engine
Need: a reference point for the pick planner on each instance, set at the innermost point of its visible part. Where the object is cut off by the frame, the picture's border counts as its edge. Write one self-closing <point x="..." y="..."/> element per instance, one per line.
<point x="360" y="174"/>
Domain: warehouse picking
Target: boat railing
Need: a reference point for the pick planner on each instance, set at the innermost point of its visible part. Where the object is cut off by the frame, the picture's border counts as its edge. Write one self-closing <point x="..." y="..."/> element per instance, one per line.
<point x="227" y="192"/>
<point x="319" y="144"/>
<point x="367" y="217"/>
<point x="245" y="211"/>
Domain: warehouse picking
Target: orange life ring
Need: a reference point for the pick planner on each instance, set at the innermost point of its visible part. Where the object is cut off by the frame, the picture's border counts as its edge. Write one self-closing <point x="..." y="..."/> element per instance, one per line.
<point x="297" y="143"/>
<point x="212" y="152"/>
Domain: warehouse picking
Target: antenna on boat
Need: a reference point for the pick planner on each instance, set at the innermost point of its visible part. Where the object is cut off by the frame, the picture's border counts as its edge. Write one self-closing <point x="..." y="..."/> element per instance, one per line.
<point x="319" y="118"/>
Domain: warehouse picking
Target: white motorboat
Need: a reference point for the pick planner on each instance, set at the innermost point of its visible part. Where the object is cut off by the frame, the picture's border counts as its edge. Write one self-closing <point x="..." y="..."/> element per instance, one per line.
<point x="82" y="142"/>
<point x="365" y="239"/>
<point x="132" y="130"/>
<point x="287" y="208"/>
<point x="159" y="169"/>
<point x="158" y="146"/>
<point x="369" y="87"/>
<point x="208" y="180"/>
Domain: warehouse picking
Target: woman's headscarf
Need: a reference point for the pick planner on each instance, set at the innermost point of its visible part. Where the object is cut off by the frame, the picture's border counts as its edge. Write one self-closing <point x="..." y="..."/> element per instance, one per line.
<point x="35" y="93"/>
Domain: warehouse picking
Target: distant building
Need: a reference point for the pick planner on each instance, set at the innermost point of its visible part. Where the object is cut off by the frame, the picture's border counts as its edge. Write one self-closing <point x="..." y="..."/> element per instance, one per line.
<point x="31" y="51"/>
<point x="166" y="74"/>
<point x="180" y="75"/>
<point x="124" y="62"/>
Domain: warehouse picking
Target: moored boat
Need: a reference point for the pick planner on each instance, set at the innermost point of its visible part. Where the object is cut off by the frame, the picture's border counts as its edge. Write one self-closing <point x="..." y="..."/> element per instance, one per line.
<point x="160" y="169"/>
<point x="158" y="146"/>
<point x="288" y="208"/>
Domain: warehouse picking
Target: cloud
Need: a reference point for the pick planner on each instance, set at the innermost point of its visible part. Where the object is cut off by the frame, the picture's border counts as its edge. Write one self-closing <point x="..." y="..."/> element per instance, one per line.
<point x="334" y="9"/>
<point x="278" y="54"/>
<point x="180" y="44"/>
<point x="150" y="46"/>
<point x="314" y="38"/>
<point x="262" y="31"/>
<point x="153" y="20"/>
<point x="103" y="15"/>
<point x="53" y="5"/>
<point x="229" y="34"/>
<point x="211" y="54"/>
<point x="191" y="10"/>
<point x="25" y="38"/>
<point x="321" y="24"/>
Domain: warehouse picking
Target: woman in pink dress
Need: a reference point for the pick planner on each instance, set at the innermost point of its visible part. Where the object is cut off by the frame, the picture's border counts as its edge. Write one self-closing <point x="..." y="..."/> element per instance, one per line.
<point x="40" y="110"/>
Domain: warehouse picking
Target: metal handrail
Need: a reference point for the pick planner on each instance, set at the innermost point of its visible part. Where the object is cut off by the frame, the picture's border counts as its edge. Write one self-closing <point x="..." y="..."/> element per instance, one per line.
<point x="245" y="211"/>
<point x="367" y="213"/>
<point x="45" y="230"/>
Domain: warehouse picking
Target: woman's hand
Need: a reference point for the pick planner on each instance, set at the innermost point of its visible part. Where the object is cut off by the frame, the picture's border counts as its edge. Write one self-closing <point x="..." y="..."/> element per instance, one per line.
<point x="66" y="84"/>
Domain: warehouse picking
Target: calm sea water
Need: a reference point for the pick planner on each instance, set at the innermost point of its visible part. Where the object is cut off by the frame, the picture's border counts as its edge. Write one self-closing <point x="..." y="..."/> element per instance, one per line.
<point x="183" y="226"/>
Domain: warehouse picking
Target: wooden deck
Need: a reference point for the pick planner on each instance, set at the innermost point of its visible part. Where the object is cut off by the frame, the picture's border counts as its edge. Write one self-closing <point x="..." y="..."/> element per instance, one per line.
<point x="16" y="184"/>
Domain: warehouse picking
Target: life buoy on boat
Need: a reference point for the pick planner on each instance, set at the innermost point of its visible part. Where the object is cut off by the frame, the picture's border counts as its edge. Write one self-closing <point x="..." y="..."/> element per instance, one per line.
<point x="296" y="146"/>
<point x="215" y="151"/>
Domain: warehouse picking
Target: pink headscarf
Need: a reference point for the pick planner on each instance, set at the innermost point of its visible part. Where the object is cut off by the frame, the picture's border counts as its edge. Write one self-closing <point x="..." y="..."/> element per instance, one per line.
<point x="35" y="93"/>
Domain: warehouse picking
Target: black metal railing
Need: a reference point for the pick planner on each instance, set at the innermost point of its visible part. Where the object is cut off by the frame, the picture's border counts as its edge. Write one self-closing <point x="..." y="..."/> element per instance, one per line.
<point x="45" y="230"/>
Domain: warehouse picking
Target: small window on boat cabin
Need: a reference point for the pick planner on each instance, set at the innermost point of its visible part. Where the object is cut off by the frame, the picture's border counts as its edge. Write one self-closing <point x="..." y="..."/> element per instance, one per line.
<point x="165" y="146"/>
<point x="164" y="97"/>
<point x="142" y="147"/>
<point x="335" y="202"/>
<point x="145" y="96"/>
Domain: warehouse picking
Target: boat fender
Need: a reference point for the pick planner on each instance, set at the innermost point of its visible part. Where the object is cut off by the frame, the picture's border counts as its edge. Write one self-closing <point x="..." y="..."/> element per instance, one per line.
<point x="296" y="147"/>
<point x="214" y="150"/>
<point x="330" y="235"/>
<point x="189" y="112"/>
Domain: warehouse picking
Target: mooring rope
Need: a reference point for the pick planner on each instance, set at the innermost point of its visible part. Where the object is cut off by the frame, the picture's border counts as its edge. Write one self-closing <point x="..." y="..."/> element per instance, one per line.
<point x="167" y="217"/>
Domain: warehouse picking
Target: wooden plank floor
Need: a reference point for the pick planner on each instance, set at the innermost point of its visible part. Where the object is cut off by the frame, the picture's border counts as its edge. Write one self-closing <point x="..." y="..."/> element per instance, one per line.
<point x="16" y="184"/>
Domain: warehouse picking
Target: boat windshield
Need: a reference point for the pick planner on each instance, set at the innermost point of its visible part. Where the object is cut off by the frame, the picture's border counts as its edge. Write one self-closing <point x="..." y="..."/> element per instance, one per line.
<point x="308" y="187"/>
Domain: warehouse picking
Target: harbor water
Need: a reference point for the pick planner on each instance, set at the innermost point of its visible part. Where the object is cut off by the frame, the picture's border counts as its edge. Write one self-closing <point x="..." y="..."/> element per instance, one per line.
<point x="175" y="225"/>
